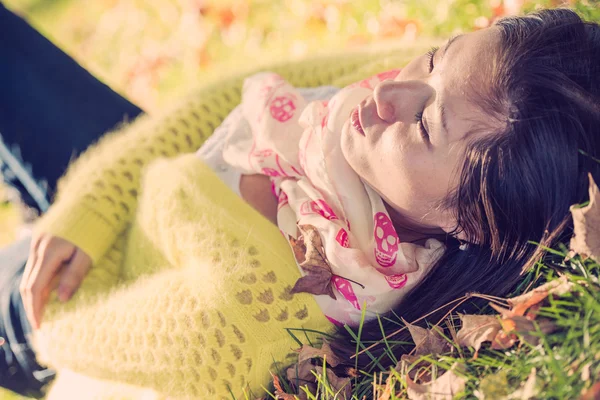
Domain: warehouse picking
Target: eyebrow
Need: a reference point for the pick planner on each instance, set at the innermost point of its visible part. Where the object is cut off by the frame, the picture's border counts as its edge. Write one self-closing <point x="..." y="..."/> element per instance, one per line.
<point x="441" y="107"/>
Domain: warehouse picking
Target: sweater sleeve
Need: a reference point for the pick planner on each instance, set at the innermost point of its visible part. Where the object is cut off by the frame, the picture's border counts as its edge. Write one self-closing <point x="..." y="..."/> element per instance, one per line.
<point x="98" y="195"/>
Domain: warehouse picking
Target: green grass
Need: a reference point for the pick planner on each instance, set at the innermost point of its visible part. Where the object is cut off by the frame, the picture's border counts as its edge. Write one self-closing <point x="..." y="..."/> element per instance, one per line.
<point x="566" y="362"/>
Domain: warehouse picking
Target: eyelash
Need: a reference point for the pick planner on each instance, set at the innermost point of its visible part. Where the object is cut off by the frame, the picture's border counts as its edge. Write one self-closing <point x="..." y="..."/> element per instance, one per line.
<point x="421" y="127"/>
<point x="419" y="116"/>
<point x="429" y="56"/>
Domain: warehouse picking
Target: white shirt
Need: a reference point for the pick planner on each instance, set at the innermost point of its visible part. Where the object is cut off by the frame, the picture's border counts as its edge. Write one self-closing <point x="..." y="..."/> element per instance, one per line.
<point x="211" y="151"/>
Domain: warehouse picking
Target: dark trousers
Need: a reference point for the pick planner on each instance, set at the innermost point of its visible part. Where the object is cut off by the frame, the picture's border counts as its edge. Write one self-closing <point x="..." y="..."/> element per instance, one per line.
<point x="51" y="109"/>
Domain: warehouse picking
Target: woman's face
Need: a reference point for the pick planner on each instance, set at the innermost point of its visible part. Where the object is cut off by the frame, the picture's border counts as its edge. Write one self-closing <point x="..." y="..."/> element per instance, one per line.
<point x="407" y="140"/>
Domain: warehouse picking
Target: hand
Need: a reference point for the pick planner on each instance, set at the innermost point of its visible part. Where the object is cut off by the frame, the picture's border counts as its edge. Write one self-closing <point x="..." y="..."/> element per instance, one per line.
<point x="53" y="262"/>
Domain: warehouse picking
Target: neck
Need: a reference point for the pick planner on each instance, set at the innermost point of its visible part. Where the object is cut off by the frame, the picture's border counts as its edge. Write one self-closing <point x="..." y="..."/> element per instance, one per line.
<point x="409" y="230"/>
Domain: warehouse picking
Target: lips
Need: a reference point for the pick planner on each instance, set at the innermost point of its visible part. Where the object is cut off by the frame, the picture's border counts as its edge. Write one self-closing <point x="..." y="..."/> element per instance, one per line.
<point x="355" y="121"/>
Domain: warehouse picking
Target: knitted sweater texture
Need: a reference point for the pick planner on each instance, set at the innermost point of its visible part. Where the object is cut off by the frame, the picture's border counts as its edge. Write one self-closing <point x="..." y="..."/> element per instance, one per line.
<point x="189" y="291"/>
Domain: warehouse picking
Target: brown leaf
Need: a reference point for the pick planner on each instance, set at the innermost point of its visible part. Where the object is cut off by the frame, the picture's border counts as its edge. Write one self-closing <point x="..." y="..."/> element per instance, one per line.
<point x="520" y="304"/>
<point x="593" y="393"/>
<point x="444" y="387"/>
<point x="325" y="352"/>
<point x="384" y="392"/>
<point x="477" y="329"/>
<point x="413" y="365"/>
<point x="585" y="372"/>
<point x="586" y="225"/>
<point x="427" y="341"/>
<point x="339" y="385"/>
<point x="298" y="248"/>
<point x="301" y="374"/>
<point x="511" y="326"/>
<point x="281" y="394"/>
<point x="523" y="310"/>
<point x="504" y="340"/>
<point x="526" y="328"/>
<point x="318" y="272"/>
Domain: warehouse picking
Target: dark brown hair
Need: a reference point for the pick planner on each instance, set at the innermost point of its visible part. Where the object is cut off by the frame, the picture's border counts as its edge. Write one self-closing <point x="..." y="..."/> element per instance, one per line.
<point x="516" y="185"/>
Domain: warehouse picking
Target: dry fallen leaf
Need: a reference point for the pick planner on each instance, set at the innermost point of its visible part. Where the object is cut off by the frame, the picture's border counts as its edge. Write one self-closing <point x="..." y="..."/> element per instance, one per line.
<point x="585" y="372"/>
<point x="586" y="225"/>
<point x="444" y="387"/>
<point x="477" y="329"/>
<point x="339" y="385"/>
<point x="520" y="304"/>
<point x="318" y="272"/>
<point x="384" y="392"/>
<point x="427" y="341"/>
<point x="522" y="326"/>
<point x="280" y="394"/>
<point x="504" y="340"/>
<point x="302" y="374"/>
<point x="298" y="247"/>
<point x="325" y="352"/>
<point x="415" y="367"/>
<point x="592" y="393"/>
<point x="514" y="321"/>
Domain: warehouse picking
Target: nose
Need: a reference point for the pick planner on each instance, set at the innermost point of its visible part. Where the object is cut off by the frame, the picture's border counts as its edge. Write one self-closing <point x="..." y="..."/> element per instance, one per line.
<point x="401" y="100"/>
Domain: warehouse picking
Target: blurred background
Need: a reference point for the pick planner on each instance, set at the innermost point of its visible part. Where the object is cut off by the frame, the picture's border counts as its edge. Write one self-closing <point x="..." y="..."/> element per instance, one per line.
<point x="152" y="51"/>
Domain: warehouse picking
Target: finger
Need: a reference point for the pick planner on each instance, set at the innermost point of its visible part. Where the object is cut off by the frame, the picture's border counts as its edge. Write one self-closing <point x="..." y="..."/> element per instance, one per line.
<point x="55" y="280"/>
<point x="24" y="286"/>
<point x="47" y="266"/>
<point x="26" y="296"/>
<point x="74" y="273"/>
<point x="45" y="295"/>
<point x="31" y="259"/>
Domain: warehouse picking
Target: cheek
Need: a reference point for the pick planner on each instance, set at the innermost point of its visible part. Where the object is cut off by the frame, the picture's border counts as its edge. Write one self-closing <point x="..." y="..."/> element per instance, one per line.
<point x="417" y="177"/>
<point x="355" y="152"/>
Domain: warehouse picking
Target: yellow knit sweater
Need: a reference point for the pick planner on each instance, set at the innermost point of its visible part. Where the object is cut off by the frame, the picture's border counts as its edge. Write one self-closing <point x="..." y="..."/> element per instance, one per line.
<point x="189" y="292"/>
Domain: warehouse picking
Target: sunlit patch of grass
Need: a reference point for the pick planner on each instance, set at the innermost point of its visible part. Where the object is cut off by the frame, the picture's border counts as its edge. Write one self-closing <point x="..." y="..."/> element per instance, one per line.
<point x="6" y="395"/>
<point x="564" y="364"/>
<point x="9" y="220"/>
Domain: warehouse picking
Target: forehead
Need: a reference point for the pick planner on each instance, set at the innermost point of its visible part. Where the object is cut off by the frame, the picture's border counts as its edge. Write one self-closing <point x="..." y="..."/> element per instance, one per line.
<point x="465" y="75"/>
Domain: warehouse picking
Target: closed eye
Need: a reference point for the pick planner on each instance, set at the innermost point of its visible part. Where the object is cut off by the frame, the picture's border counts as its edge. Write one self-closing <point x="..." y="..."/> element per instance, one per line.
<point x="430" y="54"/>
<point x="421" y="126"/>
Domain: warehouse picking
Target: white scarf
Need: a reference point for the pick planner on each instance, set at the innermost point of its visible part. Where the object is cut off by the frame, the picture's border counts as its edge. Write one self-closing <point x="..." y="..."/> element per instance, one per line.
<point x="298" y="145"/>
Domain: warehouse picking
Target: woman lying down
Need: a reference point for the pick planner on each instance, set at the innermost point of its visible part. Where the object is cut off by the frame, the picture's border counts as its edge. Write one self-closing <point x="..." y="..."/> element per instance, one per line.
<point x="398" y="194"/>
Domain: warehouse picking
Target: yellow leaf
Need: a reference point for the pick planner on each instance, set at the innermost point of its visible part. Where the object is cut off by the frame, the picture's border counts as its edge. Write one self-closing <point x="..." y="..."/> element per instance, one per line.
<point x="445" y="387"/>
<point x="477" y="329"/>
<point x="586" y="225"/>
